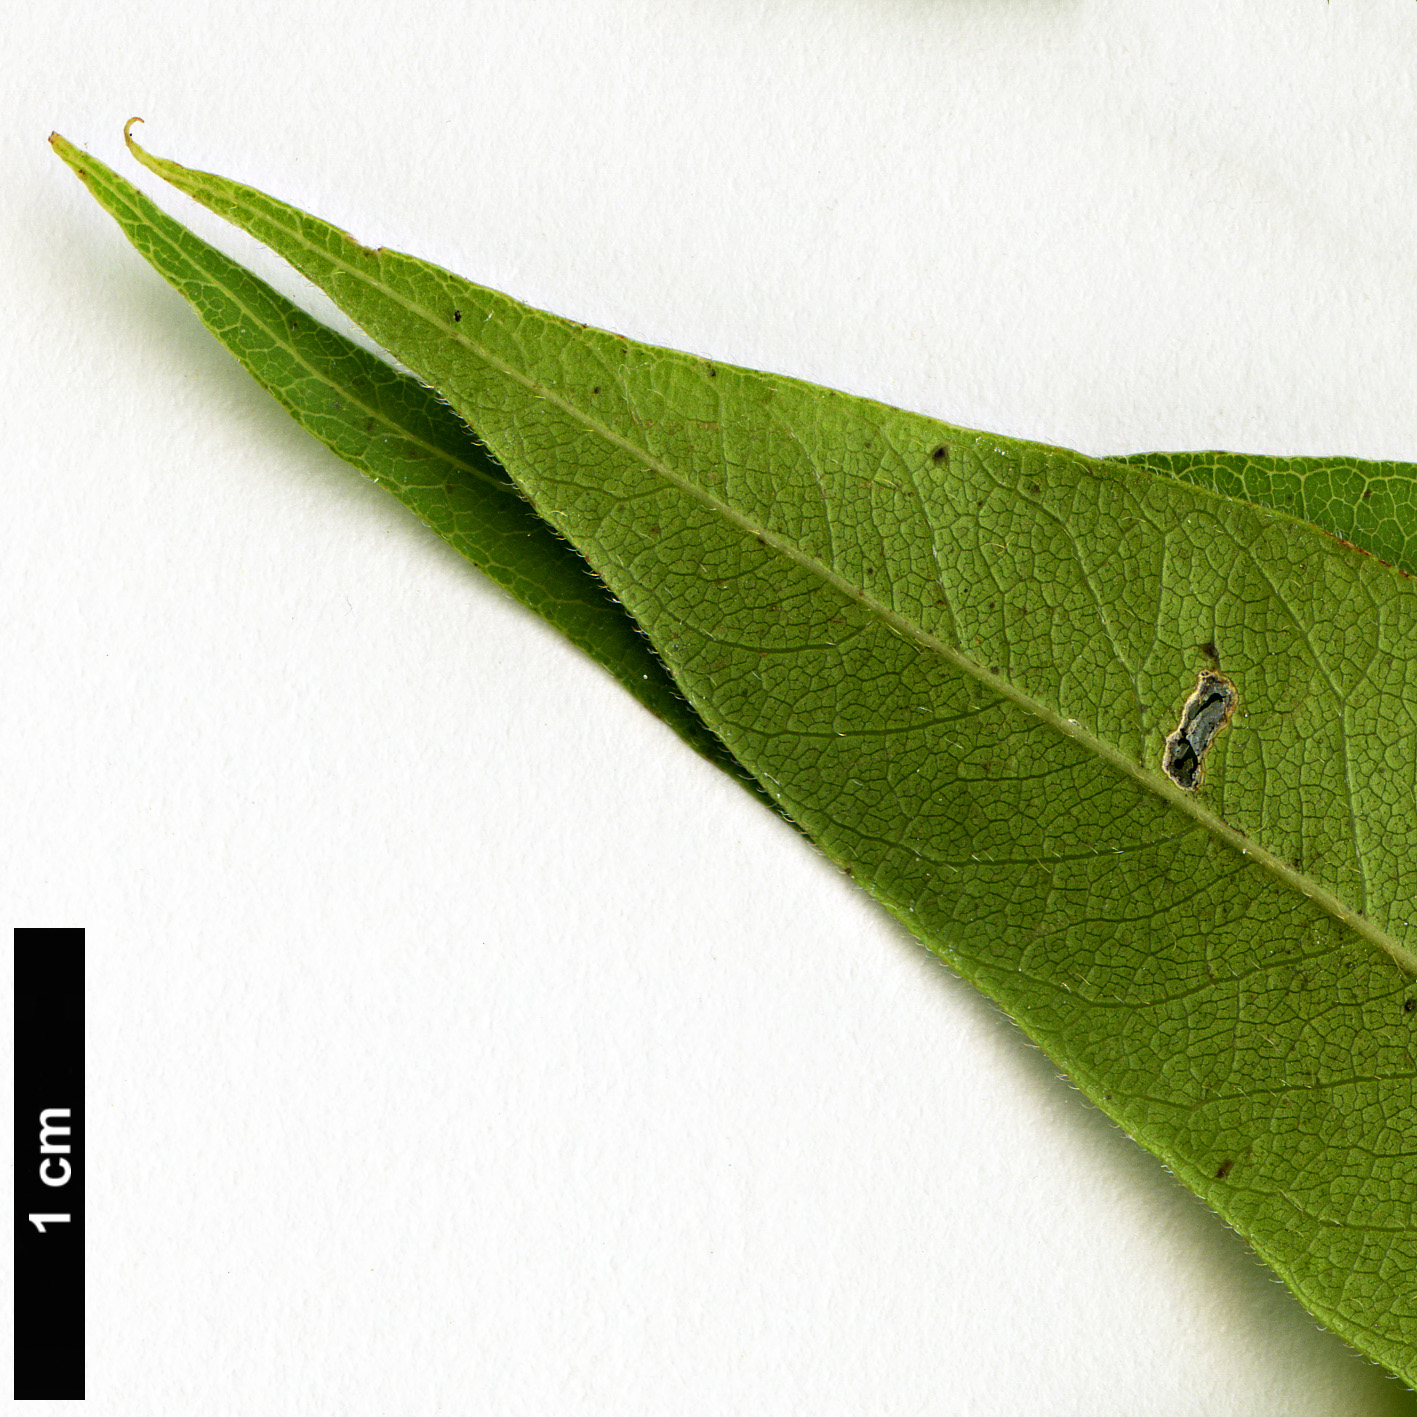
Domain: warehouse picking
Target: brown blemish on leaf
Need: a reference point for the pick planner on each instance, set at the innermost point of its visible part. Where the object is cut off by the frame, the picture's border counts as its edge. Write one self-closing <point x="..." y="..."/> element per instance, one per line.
<point x="941" y="454"/>
<point x="1223" y="1170"/>
<point x="1203" y="716"/>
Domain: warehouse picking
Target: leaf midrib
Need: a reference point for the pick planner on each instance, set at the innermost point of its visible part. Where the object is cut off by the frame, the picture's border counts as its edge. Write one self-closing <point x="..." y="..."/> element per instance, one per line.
<point x="908" y="629"/>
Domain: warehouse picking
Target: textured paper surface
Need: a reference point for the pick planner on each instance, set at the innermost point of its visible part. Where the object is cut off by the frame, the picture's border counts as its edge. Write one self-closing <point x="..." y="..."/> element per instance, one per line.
<point x="458" y="1041"/>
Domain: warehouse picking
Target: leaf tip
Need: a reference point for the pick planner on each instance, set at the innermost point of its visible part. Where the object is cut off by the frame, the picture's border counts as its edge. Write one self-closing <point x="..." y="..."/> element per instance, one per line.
<point x="128" y="136"/>
<point x="64" y="149"/>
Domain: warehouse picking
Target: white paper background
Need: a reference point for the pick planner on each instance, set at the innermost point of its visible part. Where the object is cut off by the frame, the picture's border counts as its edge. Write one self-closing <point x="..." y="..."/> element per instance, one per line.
<point x="459" y="1043"/>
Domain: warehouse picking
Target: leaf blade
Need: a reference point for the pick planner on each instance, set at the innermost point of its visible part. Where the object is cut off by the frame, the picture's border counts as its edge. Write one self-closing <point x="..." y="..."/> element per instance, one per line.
<point x="402" y="436"/>
<point x="1371" y="505"/>
<point x="1233" y="988"/>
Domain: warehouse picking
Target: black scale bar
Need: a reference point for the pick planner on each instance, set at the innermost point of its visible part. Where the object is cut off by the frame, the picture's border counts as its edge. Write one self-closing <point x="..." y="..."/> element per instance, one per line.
<point x="49" y="1164"/>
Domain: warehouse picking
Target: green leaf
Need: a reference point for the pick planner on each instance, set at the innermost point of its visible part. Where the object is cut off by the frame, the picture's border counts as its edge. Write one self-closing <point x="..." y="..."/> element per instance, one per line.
<point x="957" y="660"/>
<point x="1373" y="505"/>
<point x="408" y="440"/>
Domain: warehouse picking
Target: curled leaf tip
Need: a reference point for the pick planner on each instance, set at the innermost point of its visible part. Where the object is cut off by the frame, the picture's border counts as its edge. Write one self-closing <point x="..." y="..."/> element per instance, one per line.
<point x="128" y="132"/>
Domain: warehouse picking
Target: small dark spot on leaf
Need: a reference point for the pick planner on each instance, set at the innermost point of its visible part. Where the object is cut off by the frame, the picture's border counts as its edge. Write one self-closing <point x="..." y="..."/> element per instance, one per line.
<point x="1035" y="489"/>
<point x="596" y="389"/>
<point x="712" y="372"/>
<point x="993" y="669"/>
<point x="1211" y="653"/>
<point x="1368" y="493"/>
<point x="1409" y="1006"/>
<point x="941" y="454"/>
<point x="1223" y="1170"/>
<point x="457" y="315"/>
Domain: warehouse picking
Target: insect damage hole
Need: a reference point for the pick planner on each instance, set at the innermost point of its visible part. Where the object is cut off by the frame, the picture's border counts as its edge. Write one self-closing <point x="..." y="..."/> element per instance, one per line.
<point x="1203" y="715"/>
